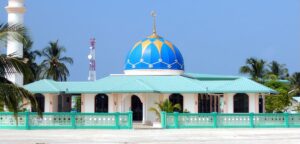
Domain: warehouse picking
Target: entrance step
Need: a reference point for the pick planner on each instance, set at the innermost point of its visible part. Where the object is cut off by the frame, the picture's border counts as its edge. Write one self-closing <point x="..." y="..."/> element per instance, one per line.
<point x="140" y="125"/>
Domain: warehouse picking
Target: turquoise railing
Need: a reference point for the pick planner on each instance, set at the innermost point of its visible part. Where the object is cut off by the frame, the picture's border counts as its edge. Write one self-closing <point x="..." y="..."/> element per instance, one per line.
<point x="66" y="120"/>
<point x="217" y="120"/>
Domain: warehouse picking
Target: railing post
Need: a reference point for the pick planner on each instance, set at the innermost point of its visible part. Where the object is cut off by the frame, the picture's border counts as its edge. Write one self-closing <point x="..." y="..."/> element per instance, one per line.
<point x="163" y="117"/>
<point x="73" y="119"/>
<point x="251" y="117"/>
<point x="27" y="126"/>
<point x="117" y="120"/>
<point x="176" y="119"/>
<point x="286" y="119"/>
<point x="130" y="119"/>
<point x="215" y="119"/>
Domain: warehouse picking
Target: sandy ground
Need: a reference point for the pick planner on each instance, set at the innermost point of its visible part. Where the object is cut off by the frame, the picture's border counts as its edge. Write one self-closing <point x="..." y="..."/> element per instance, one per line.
<point x="153" y="136"/>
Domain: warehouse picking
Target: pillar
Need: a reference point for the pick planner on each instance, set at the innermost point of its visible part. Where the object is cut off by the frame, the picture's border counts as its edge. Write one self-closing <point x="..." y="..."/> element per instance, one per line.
<point x="88" y="103"/>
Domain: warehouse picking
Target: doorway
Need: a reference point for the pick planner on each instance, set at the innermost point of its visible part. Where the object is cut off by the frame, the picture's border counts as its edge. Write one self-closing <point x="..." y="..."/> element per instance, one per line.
<point x="136" y="108"/>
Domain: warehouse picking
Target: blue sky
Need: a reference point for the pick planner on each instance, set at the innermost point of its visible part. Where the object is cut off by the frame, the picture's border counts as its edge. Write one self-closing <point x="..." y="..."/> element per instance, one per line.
<point x="214" y="36"/>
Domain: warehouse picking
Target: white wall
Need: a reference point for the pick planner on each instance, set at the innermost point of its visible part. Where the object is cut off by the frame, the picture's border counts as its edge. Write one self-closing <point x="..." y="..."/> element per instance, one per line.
<point x="151" y="99"/>
<point x="189" y="102"/>
<point x="229" y="102"/>
<point x="89" y="102"/>
<point x="51" y="102"/>
<point x="253" y="102"/>
<point x="110" y="102"/>
<point x="48" y="100"/>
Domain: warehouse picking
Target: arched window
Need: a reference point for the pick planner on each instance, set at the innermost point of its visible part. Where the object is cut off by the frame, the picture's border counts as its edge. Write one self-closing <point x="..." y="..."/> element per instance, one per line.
<point x="137" y="108"/>
<point x="40" y="101"/>
<point x="177" y="99"/>
<point x="241" y="103"/>
<point x="101" y="103"/>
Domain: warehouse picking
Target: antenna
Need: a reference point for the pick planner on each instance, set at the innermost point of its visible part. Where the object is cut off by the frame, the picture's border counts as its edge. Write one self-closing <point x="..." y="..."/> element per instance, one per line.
<point x="92" y="60"/>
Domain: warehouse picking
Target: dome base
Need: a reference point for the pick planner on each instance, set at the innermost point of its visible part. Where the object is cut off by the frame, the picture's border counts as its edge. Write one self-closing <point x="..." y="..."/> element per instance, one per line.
<point x="153" y="72"/>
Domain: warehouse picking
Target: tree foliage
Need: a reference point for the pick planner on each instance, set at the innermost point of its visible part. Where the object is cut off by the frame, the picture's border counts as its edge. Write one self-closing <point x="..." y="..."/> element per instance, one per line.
<point x="54" y="64"/>
<point x="278" y="70"/>
<point x="10" y="94"/>
<point x="30" y="56"/>
<point x="280" y="101"/>
<point x="256" y="68"/>
<point x="269" y="74"/>
<point x="165" y="106"/>
<point x="295" y="81"/>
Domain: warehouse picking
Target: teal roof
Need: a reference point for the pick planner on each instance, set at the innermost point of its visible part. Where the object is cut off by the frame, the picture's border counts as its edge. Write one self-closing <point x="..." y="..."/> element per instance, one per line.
<point x="188" y="83"/>
<point x="43" y="86"/>
<point x="209" y="76"/>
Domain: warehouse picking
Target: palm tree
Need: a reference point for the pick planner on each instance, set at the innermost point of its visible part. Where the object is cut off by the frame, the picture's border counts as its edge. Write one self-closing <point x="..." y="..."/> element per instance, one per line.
<point x="165" y="106"/>
<point x="10" y="94"/>
<point x="54" y="64"/>
<point x="254" y="67"/>
<point x="278" y="69"/>
<point x="31" y="55"/>
<point x="295" y="81"/>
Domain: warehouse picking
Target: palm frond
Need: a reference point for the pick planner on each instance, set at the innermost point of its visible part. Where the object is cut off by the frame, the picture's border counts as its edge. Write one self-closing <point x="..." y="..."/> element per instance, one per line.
<point x="15" y="32"/>
<point x="12" y="96"/>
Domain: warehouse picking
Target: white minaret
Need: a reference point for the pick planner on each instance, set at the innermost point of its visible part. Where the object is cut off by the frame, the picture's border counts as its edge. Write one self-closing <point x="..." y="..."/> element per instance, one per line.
<point x="15" y="11"/>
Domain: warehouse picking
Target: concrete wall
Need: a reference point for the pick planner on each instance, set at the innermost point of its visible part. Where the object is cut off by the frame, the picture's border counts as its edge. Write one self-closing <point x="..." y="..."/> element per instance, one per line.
<point x="88" y="103"/>
<point x="51" y="102"/>
<point x="122" y="102"/>
<point x="151" y="99"/>
<point x="189" y="102"/>
<point x="229" y="103"/>
<point x="110" y="103"/>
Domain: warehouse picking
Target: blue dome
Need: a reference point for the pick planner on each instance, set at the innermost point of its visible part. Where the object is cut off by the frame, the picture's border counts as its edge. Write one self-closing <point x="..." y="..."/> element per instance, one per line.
<point x="154" y="53"/>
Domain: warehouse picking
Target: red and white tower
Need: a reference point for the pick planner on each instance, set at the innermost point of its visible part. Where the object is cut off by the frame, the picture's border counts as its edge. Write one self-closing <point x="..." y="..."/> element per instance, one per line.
<point x="92" y="59"/>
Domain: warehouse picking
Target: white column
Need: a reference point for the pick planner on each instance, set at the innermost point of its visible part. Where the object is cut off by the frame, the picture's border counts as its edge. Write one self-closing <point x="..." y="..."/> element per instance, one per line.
<point x="189" y="102"/>
<point x="144" y="101"/>
<point x="264" y="103"/>
<point x="229" y="103"/>
<point x="144" y="112"/>
<point x="89" y="102"/>
<point x="252" y="103"/>
<point x="15" y="11"/>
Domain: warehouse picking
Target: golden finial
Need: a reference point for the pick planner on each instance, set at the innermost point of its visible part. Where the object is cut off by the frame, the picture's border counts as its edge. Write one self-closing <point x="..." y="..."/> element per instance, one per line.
<point x="153" y="14"/>
<point x="154" y="34"/>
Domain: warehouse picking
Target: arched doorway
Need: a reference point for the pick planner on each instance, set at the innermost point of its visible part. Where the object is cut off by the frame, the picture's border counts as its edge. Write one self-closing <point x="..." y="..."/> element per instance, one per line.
<point x="40" y="101"/>
<point x="241" y="103"/>
<point x="177" y="99"/>
<point x="101" y="103"/>
<point x="136" y="108"/>
<point x="261" y="104"/>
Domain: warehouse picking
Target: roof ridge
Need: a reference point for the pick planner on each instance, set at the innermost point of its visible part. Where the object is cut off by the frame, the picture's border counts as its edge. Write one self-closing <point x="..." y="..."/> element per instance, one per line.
<point x="147" y="85"/>
<point x="226" y="84"/>
<point x="192" y="80"/>
<point x="258" y="84"/>
<point x="50" y="82"/>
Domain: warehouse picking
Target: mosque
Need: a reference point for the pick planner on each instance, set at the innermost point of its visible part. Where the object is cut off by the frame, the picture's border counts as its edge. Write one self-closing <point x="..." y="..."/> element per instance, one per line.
<point x="153" y="72"/>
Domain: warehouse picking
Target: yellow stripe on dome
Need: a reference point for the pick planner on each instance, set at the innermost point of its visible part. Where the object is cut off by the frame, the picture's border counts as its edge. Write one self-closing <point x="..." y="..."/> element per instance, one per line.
<point x="158" y="45"/>
<point x="135" y="45"/>
<point x="145" y="44"/>
<point x="170" y="45"/>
